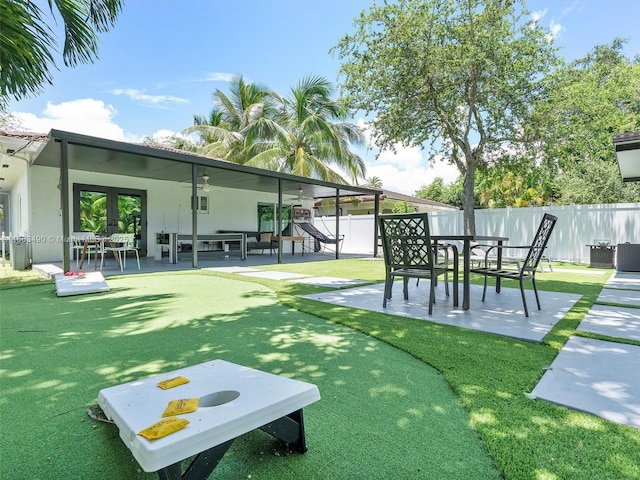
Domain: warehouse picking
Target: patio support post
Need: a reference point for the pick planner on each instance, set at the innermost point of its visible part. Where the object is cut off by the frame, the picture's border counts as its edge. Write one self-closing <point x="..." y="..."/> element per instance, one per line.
<point x="194" y="215"/>
<point x="337" y="223"/>
<point x="376" y="213"/>
<point x="64" y="204"/>
<point x="279" y="220"/>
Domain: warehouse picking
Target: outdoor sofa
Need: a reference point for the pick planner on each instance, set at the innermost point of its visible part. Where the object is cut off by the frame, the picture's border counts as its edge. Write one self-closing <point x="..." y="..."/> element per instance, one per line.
<point x="255" y="240"/>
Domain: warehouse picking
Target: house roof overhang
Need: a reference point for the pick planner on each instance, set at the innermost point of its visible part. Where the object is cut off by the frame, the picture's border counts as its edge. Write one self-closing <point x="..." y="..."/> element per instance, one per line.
<point x="627" y="148"/>
<point x="101" y="155"/>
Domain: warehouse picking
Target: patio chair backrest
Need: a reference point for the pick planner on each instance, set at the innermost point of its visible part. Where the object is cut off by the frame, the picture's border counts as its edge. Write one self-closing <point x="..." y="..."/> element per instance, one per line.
<point x="125" y="239"/>
<point x="406" y="241"/>
<point x="539" y="243"/>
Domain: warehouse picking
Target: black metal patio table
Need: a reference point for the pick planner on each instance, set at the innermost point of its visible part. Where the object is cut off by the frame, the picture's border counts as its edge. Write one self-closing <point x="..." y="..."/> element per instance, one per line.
<point x="466" y="258"/>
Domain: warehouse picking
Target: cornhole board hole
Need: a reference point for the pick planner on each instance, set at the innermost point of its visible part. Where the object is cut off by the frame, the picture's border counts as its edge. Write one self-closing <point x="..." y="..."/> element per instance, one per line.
<point x="91" y="282"/>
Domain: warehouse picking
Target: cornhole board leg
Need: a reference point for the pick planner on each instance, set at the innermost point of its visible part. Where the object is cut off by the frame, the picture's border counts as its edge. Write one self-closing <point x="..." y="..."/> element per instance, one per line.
<point x="289" y="429"/>
<point x="201" y="466"/>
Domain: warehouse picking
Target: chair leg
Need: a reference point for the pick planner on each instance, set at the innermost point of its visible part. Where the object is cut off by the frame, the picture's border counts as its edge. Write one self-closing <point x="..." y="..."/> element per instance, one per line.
<point x="456" y="272"/>
<point x="535" y="290"/>
<point x="446" y="283"/>
<point x="524" y="300"/>
<point x="137" y="258"/>
<point x="405" y="287"/>
<point x="432" y="297"/>
<point x="388" y="285"/>
<point x="484" y="291"/>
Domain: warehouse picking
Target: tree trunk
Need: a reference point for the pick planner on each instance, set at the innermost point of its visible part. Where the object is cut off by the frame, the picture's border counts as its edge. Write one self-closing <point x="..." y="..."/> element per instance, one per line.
<point x="467" y="199"/>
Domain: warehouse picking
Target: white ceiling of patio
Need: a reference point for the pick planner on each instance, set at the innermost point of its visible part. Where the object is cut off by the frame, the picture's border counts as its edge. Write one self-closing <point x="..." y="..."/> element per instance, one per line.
<point x="120" y="158"/>
<point x="627" y="147"/>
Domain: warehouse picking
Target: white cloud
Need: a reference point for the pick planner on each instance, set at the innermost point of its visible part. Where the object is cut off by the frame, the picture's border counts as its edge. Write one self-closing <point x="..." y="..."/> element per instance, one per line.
<point x="555" y="29"/>
<point x="539" y="15"/>
<point x="406" y="170"/>
<point x="86" y="116"/>
<point x="219" y="77"/>
<point x="408" y="177"/>
<point x="155" y="100"/>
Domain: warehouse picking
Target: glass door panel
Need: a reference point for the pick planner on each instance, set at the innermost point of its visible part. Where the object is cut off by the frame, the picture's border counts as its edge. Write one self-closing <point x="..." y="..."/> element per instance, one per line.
<point x="108" y="210"/>
<point x="93" y="211"/>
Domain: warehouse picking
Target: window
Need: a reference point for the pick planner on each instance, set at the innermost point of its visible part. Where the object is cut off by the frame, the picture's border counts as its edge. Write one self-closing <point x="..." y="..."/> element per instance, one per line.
<point x="267" y="213"/>
<point x="203" y="204"/>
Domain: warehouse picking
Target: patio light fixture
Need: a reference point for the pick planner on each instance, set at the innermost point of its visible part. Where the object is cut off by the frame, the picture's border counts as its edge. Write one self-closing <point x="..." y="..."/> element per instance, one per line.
<point x="627" y="148"/>
<point x="205" y="183"/>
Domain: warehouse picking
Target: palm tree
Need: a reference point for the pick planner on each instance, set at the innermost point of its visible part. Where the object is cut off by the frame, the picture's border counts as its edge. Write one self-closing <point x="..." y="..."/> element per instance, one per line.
<point x="236" y="121"/>
<point x="311" y="136"/>
<point x="375" y="182"/>
<point x="26" y="40"/>
<point x="304" y="135"/>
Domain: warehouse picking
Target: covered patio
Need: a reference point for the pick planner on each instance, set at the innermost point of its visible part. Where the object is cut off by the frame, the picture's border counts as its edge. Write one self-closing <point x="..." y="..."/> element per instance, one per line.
<point x="41" y="168"/>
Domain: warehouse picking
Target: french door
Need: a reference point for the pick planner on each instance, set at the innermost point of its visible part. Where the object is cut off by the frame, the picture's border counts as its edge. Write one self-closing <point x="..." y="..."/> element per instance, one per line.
<point x="108" y="210"/>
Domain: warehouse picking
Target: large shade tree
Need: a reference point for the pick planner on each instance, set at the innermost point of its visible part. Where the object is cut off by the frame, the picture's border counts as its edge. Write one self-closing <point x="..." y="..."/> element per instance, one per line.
<point x="460" y="75"/>
<point x="589" y="101"/>
<point x="27" y="41"/>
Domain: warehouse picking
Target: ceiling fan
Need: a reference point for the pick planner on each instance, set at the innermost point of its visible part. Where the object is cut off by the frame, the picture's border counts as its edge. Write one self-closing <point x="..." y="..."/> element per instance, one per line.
<point x="300" y="196"/>
<point x="204" y="185"/>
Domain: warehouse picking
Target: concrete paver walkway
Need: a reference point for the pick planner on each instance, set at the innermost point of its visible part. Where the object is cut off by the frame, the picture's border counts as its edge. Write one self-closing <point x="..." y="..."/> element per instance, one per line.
<point x="597" y="376"/>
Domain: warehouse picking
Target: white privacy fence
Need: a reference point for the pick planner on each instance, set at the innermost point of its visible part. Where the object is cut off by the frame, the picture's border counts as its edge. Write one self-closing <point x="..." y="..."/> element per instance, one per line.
<point x="577" y="227"/>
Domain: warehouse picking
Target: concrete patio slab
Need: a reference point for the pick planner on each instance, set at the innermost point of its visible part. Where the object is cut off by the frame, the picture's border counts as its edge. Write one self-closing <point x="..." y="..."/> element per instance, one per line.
<point x="582" y="272"/>
<point x="619" y="322"/>
<point x="501" y="313"/>
<point x="596" y="377"/>
<point x="272" y="275"/>
<point x="332" y="282"/>
<point x="231" y="269"/>
<point x="624" y="297"/>
<point x="624" y="280"/>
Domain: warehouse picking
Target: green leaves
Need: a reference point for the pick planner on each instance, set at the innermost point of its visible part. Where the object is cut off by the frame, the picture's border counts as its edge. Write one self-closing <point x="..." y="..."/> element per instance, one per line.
<point x="26" y="41"/>
<point x="457" y="75"/>
<point x="303" y="134"/>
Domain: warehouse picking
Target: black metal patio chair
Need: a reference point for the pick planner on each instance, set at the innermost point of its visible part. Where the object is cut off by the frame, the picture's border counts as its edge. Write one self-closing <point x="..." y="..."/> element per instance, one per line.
<point x="526" y="270"/>
<point x="409" y="253"/>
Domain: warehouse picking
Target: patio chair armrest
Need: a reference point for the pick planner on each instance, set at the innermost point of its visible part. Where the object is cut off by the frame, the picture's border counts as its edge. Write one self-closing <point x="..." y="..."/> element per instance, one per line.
<point x="445" y="247"/>
<point x="505" y="247"/>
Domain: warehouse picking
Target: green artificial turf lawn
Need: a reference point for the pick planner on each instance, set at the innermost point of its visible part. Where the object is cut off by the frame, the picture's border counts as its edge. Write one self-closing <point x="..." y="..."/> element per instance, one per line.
<point x="528" y="439"/>
<point x="383" y="413"/>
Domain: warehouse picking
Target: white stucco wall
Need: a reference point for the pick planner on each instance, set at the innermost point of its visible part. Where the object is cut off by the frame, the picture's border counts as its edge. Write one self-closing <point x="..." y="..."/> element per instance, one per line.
<point x="168" y="208"/>
<point x="45" y="215"/>
<point x="19" y="204"/>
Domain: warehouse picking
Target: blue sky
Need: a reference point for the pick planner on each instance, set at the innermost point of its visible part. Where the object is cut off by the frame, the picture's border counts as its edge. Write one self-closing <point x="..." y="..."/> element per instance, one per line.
<point x="164" y="59"/>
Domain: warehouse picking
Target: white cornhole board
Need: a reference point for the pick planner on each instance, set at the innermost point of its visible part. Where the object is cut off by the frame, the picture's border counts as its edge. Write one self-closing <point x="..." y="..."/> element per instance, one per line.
<point x="91" y="282"/>
<point x="259" y="398"/>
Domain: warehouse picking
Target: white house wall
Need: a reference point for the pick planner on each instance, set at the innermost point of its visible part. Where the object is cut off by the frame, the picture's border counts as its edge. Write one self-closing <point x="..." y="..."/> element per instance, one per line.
<point x="19" y="205"/>
<point x="168" y="208"/>
<point x="45" y="214"/>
